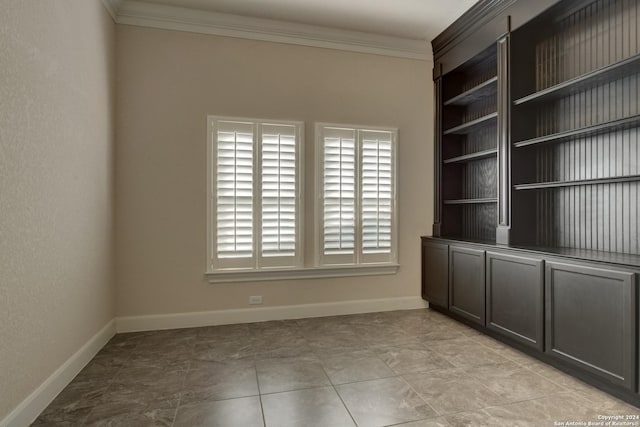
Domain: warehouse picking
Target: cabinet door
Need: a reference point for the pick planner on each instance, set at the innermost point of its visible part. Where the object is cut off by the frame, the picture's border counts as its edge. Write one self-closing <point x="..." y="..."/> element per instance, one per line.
<point x="515" y="292"/>
<point x="590" y="320"/>
<point x="435" y="273"/>
<point x="466" y="283"/>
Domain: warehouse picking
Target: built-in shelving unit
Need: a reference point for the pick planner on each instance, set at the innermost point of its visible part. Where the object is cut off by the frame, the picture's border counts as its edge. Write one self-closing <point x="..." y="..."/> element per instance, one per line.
<point x="536" y="234"/>
<point x="469" y="148"/>
<point x="574" y="126"/>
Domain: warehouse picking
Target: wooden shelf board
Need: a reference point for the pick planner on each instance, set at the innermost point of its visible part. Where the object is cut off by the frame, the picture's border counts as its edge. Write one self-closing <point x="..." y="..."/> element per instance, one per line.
<point x="469" y="127"/>
<point x="558" y="184"/>
<point x="604" y="74"/>
<point x="473" y="156"/>
<point x="475" y="93"/>
<point x="470" y="201"/>
<point x="573" y="253"/>
<point x="619" y="124"/>
<point x="612" y="257"/>
<point x="463" y="239"/>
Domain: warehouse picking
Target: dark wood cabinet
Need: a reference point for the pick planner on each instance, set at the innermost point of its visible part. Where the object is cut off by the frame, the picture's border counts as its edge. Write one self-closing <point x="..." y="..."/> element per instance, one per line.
<point x="577" y="310"/>
<point x="435" y="273"/>
<point x="466" y="283"/>
<point x="590" y="320"/>
<point x="537" y="180"/>
<point x="515" y="297"/>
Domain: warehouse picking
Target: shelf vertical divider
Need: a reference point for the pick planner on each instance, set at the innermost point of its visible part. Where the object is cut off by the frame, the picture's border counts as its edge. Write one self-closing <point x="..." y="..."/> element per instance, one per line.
<point x="437" y="193"/>
<point x="503" y="230"/>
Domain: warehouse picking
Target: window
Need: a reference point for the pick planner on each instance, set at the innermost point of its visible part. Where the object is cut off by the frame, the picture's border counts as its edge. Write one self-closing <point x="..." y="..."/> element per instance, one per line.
<point x="255" y="193"/>
<point x="355" y="185"/>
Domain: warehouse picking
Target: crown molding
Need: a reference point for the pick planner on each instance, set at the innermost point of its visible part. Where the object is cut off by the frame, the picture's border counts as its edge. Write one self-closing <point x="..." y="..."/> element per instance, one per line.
<point x="479" y="14"/>
<point x="131" y="12"/>
<point x="112" y="7"/>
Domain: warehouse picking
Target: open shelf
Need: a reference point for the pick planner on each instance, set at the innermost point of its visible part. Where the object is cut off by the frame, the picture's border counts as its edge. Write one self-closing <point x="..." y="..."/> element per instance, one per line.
<point x="473" y="156"/>
<point x="475" y="93"/>
<point x="467" y="147"/>
<point x="601" y="75"/>
<point x="594" y="181"/>
<point x="620" y="124"/>
<point x="471" y="126"/>
<point x="470" y="201"/>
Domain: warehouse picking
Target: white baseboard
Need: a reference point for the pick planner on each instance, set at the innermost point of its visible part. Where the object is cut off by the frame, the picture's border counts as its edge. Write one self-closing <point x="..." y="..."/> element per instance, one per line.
<point x="260" y="314"/>
<point x="27" y="411"/>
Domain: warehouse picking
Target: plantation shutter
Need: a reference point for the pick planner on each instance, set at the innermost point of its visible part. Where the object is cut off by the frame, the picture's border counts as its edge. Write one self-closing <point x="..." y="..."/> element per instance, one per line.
<point x="234" y="154"/>
<point x="255" y="203"/>
<point x="338" y="195"/>
<point x="356" y="172"/>
<point x="279" y="194"/>
<point x="377" y="196"/>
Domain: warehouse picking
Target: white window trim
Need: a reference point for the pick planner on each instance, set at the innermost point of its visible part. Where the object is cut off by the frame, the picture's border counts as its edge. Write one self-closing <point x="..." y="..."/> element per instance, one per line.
<point x="211" y="269"/>
<point x="318" y="200"/>
<point x="333" y="271"/>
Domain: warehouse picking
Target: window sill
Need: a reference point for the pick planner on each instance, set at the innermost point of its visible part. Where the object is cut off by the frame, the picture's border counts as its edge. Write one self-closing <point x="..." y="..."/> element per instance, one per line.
<point x="230" y="276"/>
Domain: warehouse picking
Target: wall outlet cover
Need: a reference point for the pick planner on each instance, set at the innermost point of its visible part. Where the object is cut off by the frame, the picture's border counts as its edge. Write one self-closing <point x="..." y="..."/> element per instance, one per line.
<point x="255" y="300"/>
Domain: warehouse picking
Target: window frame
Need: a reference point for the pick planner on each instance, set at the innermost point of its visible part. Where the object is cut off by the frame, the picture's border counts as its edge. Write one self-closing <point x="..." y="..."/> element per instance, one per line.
<point x="358" y="258"/>
<point x="257" y="262"/>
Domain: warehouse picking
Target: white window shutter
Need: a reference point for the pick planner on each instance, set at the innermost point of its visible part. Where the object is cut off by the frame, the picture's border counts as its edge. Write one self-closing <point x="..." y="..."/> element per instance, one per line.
<point x="234" y="158"/>
<point x="376" y="195"/>
<point x="338" y="195"/>
<point x="280" y="195"/>
<point x="255" y="190"/>
<point x="356" y="186"/>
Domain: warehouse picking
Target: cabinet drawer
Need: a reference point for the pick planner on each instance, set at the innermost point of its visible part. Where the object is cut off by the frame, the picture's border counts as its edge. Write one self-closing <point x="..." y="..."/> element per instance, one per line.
<point x="590" y="320"/>
<point x="515" y="298"/>
<point x="466" y="283"/>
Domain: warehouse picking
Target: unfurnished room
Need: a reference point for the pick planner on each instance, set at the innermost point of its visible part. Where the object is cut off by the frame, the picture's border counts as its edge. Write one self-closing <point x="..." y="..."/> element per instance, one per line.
<point x="319" y="213"/>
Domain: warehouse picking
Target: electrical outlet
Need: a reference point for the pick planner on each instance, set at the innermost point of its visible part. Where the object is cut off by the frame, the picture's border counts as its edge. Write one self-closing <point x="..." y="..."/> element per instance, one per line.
<point x="255" y="300"/>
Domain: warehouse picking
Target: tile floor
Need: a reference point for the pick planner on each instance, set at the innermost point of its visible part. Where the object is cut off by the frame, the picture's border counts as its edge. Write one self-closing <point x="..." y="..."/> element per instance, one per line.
<point x="412" y="368"/>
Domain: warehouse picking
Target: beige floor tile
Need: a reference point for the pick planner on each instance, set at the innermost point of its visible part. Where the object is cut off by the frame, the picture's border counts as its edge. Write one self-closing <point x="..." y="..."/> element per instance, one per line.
<point x="384" y="402"/>
<point x="316" y="407"/>
<point x="415" y="368"/>
<point x="242" y="412"/>
<point x="453" y="390"/>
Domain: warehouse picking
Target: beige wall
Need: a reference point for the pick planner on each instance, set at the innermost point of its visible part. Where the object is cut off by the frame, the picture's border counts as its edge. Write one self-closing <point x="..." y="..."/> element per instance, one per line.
<point x="167" y="84"/>
<point x="56" y="186"/>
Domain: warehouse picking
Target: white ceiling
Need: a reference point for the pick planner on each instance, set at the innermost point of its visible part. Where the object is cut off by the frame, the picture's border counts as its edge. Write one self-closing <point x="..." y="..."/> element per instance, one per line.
<point x="413" y="19"/>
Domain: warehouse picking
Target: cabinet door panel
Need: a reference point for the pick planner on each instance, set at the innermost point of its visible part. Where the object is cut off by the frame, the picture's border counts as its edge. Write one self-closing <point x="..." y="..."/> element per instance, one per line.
<point x="590" y="320"/>
<point x="515" y="298"/>
<point x="435" y="273"/>
<point x="466" y="283"/>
